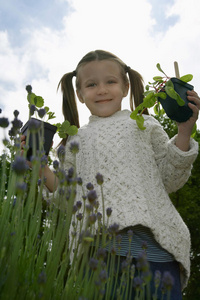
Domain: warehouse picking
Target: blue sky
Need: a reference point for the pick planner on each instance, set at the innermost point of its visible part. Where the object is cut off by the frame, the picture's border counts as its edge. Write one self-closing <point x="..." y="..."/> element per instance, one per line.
<point x="40" y="40"/>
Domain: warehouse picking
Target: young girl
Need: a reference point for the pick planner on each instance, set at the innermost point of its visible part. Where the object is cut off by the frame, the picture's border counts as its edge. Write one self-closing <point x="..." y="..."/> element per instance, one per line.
<point x="139" y="167"/>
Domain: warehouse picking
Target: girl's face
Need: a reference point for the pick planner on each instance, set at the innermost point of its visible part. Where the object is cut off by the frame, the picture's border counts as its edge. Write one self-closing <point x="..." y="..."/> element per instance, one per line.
<point x="101" y="87"/>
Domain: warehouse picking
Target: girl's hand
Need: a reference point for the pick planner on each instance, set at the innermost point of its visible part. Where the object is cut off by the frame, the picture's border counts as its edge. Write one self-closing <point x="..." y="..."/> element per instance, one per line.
<point x="185" y="128"/>
<point x="23" y="143"/>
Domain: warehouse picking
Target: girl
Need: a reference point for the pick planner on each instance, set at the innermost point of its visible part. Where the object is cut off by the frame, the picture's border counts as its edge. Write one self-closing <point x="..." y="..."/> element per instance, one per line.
<point x="139" y="167"/>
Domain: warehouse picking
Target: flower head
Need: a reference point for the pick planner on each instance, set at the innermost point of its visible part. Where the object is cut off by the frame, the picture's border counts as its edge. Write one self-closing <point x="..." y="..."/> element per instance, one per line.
<point x="34" y="125"/>
<point x="92" y="196"/>
<point x="108" y="211"/>
<point x="93" y="263"/>
<point x="16" y="113"/>
<point x="29" y="88"/>
<point x="157" y="278"/>
<point x="19" y="165"/>
<point x="41" y="112"/>
<point x="74" y="147"/>
<point x="99" y="178"/>
<point x="32" y="109"/>
<point x="167" y="281"/>
<point x="89" y="186"/>
<point x="4" y="122"/>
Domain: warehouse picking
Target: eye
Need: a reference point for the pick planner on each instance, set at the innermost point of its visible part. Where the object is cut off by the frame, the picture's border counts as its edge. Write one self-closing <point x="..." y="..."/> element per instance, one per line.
<point x="111" y="81"/>
<point x="92" y="84"/>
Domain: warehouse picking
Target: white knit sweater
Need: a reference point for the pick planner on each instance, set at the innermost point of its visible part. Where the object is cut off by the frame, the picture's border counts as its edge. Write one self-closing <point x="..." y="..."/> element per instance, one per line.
<point x="139" y="168"/>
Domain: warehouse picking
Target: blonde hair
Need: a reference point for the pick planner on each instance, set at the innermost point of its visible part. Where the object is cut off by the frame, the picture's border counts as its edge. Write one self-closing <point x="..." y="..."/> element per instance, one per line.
<point x="70" y="111"/>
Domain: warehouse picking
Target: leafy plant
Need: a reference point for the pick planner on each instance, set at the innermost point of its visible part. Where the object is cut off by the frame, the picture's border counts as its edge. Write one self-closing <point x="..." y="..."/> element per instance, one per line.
<point x="37" y="108"/>
<point x="159" y="88"/>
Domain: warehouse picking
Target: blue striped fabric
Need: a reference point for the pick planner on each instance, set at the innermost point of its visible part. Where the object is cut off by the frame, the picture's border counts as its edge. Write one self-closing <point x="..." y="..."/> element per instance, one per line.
<point x="142" y="236"/>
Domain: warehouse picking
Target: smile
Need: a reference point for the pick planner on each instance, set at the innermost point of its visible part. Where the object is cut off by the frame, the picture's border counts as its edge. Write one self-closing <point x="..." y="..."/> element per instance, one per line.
<point x="103" y="101"/>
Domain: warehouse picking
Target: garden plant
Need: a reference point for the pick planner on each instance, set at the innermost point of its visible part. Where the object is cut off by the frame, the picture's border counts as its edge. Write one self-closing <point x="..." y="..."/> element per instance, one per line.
<point x="50" y="243"/>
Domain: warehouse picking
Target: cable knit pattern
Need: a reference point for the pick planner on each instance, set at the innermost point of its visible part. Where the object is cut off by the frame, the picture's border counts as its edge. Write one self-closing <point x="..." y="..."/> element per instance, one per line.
<point x="140" y="168"/>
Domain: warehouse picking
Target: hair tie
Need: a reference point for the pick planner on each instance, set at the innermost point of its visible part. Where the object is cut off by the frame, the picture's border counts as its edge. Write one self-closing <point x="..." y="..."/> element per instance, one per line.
<point x="74" y="73"/>
<point x="127" y="69"/>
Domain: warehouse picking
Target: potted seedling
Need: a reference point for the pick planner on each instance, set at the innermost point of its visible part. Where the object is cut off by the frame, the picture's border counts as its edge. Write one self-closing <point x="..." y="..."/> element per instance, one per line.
<point x="171" y="93"/>
<point x="38" y="129"/>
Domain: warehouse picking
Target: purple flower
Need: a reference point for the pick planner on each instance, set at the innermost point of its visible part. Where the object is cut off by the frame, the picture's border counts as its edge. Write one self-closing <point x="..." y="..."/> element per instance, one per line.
<point x="130" y="235"/>
<point x="44" y="161"/>
<point x="21" y="187"/>
<point x="92" y="218"/>
<point x="41" y="112"/>
<point x="19" y="165"/>
<point x="16" y="113"/>
<point x="29" y="88"/>
<point x="74" y="147"/>
<point x="4" y="122"/>
<point x="79" y="180"/>
<point x="113" y="229"/>
<point x="108" y="211"/>
<point x="101" y="253"/>
<point x="70" y="172"/>
<point x="56" y="164"/>
<point x="17" y="124"/>
<point x="138" y="283"/>
<point x="32" y="109"/>
<point x="99" y="178"/>
<point x="79" y="216"/>
<point x="157" y="278"/>
<point x="93" y="263"/>
<point x="79" y="204"/>
<point x="74" y="209"/>
<point x="142" y="263"/>
<point x="61" y="152"/>
<point x="103" y="276"/>
<point x="92" y="196"/>
<point x="167" y="281"/>
<point x="89" y="186"/>
<point x="34" y="125"/>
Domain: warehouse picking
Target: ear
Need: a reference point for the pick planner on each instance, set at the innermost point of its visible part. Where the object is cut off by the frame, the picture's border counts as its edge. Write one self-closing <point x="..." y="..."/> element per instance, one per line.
<point x="79" y="96"/>
<point x="126" y="89"/>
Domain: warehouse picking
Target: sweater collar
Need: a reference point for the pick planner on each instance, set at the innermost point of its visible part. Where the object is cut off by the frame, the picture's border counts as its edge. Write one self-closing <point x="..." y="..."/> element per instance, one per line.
<point x="118" y="114"/>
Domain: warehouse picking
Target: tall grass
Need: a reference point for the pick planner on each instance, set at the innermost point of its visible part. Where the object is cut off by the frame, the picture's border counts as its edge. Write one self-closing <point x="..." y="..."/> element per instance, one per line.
<point x="53" y="246"/>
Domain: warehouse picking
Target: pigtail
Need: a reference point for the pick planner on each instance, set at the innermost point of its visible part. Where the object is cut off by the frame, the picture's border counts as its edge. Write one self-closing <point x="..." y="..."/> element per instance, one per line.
<point x="69" y="106"/>
<point x="136" y="88"/>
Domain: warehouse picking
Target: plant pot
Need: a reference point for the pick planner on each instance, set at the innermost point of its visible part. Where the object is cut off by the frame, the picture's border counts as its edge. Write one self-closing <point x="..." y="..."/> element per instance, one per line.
<point x="49" y="131"/>
<point x="173" y="110"/>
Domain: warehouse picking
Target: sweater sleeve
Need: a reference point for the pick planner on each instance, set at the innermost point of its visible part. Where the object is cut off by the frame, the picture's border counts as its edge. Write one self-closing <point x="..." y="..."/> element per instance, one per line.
<point x="174" y="165"/>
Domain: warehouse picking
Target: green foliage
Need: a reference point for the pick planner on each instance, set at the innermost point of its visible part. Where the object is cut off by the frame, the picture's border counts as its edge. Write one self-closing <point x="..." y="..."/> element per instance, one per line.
<point x="154" y="91"/>
<point x="187" y="202"/>
<point x="65" y="129"/>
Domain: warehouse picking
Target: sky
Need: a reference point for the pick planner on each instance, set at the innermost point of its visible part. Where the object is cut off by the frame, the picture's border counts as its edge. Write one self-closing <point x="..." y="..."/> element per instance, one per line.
<point x="40" y="40"/>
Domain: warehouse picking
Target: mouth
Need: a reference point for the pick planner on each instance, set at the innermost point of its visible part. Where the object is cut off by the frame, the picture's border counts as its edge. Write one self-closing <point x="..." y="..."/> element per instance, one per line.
<point x="103" y="101"/>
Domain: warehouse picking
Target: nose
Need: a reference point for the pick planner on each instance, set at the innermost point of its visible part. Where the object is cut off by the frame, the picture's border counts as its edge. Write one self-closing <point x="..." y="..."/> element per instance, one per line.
<point x="102" y="89"/>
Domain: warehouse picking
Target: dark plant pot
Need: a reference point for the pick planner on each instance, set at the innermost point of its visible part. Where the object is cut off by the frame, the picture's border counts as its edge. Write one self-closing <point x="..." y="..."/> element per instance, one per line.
<point x="49" y="131"/>
<point x="173" y="110"/>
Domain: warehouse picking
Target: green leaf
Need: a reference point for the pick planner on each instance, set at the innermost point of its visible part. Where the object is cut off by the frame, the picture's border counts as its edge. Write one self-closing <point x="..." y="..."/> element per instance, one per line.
<point x="30" y="98"/>
<point x="169" y="83"/>
<point x="159" y="68"/>
<point x="140" y="122"/>
<point x="38" y="101"/>
<point x="64" y="126"/>
<point x="158" y="78"/>
<point x="180" y="101"/>
<point x="72" y="130"/>
<point x="46" y="108"/>
<point x="161" y="95"/>
<point x="171" y="92"/>
<point x="194" y="130"/>
<point x="187" y="78"/>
